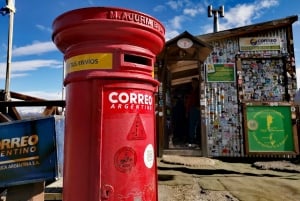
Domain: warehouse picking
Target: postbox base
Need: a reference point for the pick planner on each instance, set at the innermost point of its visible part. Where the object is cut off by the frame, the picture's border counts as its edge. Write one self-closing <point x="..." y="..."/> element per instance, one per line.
<point x="110" y="145"/>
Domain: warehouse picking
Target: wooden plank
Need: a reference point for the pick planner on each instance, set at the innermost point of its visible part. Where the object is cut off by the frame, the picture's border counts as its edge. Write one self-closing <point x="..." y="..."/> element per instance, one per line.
<point x="160" y="132"/>
<point x="185" y="73"/>
<point x="60" y="103"/>
<point x="50" y="110"/>
<point x="296" y="140"/>
<point x="4" y="118"/>
<point x="24" y="97"/>
<point x="53" y="196"/>
<point x="13" y="112"/>
<point x="28" y="192"/>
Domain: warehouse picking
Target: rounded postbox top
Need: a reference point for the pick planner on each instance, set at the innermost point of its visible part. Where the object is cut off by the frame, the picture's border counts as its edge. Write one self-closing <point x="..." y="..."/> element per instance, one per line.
<point x="108" y="25"/>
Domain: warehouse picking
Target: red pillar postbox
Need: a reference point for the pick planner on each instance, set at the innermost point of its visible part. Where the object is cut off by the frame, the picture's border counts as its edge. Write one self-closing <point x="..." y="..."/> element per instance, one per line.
<point x="110" y="123"/>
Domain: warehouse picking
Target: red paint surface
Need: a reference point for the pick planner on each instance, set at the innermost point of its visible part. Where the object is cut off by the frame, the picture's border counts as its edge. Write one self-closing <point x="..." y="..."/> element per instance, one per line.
<point x="110" y="113"/>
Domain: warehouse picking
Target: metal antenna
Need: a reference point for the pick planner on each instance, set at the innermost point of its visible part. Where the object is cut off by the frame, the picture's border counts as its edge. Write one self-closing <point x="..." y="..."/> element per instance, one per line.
<point x="216" y="14"/>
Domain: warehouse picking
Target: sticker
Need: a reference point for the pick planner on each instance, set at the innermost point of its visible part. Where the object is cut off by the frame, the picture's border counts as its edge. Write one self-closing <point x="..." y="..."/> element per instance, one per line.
<point x="125" y="159"/>
<point x="252" y="125"/>
<point x="137" y="131"/>
<point x="149" y="156"/>
<point x="293" y="109"/>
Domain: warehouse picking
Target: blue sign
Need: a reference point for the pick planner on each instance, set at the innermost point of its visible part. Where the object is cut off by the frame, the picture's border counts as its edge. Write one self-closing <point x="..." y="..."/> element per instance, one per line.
<point x="27" y="151"/>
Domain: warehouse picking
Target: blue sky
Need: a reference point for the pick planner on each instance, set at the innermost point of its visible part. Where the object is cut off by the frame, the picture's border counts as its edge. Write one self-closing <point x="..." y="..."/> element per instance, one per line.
<point x="37" y="63"/>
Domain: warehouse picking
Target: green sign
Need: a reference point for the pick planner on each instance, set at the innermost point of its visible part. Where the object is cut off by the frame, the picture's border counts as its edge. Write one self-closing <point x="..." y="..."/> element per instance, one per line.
<point x="220" y="72"/>
<point x="269" y="129"/>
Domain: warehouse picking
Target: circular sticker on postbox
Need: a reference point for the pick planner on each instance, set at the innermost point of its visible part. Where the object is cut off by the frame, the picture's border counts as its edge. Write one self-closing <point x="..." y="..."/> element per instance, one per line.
<point x="125" y="159"/>
<point x="149" y="156"/>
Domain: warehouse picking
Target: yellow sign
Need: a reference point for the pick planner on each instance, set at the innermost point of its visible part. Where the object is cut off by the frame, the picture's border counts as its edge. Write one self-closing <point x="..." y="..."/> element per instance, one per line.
<point x="89" y="62"/>
<point x="260" y="43"/>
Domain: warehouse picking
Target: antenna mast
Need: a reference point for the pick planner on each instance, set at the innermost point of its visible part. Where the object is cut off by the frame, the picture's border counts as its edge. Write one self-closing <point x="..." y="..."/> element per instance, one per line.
<point x="211" y="12"/>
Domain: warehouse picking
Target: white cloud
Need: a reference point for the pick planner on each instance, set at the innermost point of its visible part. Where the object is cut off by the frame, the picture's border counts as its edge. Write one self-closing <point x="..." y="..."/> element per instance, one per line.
<point x="208" y="28"/>
<point x="194" y="10"/>
<point x="186" y="10"/>
<point x="159" y="8"/>
<point x="239" y="16"/>
<point x="243" y="14"/>
<point x="174" y="4"/>
<point x="57" y="95"/>
<point x="34" y="64"/>
<point x="190" y="11"/>
<point x="267" y="3"/>
<point x="179" y="4"/>
<point x="42" y="95"/>
<point x="297" y="23"/>
<point x="171" y="34"/>
<point x="91" y="2"/>
<point x="176" y="22"/>
<point x="43" y="28"/>
<point x="35" y="48"/>
<point x="19" y="67"/>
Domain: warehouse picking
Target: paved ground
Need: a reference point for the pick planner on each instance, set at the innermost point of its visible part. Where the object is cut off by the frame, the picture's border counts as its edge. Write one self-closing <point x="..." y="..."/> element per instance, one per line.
<point x="204" y="179"/>
<point x="196" y="179"/>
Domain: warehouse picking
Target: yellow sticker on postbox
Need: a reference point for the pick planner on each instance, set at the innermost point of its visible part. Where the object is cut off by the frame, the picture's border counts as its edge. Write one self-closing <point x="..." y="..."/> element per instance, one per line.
<point x="92" y="61"/>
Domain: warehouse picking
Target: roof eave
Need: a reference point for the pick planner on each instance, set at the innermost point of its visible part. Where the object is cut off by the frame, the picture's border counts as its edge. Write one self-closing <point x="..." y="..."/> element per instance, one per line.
<point x="259" y="27"/>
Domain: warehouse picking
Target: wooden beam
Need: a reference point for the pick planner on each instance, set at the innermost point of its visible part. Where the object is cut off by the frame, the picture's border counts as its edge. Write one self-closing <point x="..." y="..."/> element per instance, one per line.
<point x="53" y="196"/>
<point x="186" y="73"/>
<point x="23" y="96"/>
<point x="51" y="110"/>
<point x="59" y="103"/>
<point x="183" y="80"/>
<point x="13" y="113"/>
<point x="4" y="118"/>
<point x="249" y="29"/>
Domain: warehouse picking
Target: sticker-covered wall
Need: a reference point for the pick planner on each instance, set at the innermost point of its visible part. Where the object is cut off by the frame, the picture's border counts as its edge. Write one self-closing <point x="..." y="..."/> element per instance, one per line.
<point x="224" y="137"/>
<point x="256" y="68"/>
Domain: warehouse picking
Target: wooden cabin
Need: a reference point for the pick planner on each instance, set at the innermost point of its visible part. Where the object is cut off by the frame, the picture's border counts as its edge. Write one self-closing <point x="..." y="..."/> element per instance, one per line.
<point x="247" y="82"/>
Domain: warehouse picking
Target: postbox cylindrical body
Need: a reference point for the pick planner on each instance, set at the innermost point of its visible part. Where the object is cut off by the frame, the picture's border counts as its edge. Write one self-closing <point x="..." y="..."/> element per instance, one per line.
<point x="110" y="148"/>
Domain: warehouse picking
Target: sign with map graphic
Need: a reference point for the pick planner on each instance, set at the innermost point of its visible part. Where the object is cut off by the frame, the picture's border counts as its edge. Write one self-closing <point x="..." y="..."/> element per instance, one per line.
<point x="269" y="129"/>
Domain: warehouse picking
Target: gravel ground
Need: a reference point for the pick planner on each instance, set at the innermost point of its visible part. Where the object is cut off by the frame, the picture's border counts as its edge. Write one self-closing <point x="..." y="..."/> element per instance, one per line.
<point x="203" y="179"/>
<point x="284" y="166"/>
<point x="192" y="193"/>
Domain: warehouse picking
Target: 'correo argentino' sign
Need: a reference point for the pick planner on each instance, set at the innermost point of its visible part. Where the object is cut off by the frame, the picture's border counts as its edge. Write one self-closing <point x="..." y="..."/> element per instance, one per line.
<point x="27" y="151"/>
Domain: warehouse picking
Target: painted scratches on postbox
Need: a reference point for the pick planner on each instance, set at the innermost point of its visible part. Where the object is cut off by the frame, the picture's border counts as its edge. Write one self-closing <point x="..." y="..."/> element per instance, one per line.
<point x="137" y="130"/>
<point x="147" y="194"/>
<point x="125" y="159"/>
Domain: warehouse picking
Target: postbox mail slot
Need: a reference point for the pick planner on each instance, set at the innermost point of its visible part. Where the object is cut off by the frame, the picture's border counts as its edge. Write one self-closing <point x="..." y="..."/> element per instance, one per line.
<point x="137" y="59"/>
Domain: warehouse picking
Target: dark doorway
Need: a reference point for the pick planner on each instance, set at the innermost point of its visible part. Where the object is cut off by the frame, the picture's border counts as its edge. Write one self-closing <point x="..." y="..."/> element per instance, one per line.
<point x="184" y="129"/>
